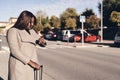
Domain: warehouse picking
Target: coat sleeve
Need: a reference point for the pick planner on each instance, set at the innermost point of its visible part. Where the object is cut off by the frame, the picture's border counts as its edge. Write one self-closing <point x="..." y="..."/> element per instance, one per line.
<point x="12" y="37"/>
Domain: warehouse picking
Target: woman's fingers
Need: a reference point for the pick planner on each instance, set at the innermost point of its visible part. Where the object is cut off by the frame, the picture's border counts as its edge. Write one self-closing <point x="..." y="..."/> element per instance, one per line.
<point x="34" y="65"/>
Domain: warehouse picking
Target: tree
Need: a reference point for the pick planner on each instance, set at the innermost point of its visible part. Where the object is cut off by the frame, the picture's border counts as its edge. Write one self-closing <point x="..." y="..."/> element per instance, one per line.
<point x="108" y="7"/>
<point x="47" y="27"/>
<point x="41" y="17"/>
<point x="68" y="16"/>
<point x="43" y="22"/>
<point x="55" y="22"/>
<point x="115" y="17"/>
<point x="92" y="22"/>
<point x="88" y="12"/>
<point x="70" y="12"/>
<point x="70" y="23"/>
<point x="38" y="27"/>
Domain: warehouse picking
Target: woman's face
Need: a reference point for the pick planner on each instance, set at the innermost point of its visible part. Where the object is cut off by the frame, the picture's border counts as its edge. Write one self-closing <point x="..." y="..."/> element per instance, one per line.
<point x="31" y="24"/>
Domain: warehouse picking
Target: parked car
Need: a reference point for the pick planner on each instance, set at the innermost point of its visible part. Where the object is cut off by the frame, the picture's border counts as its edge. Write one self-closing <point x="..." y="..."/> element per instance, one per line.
<point x="117" y="39"/>
<point x="76" y="35"/>
<point x="68" y="35"/>
<point x="51" y="36"/>
<point x="59" y="35"/>
<point x="88" y="37"/>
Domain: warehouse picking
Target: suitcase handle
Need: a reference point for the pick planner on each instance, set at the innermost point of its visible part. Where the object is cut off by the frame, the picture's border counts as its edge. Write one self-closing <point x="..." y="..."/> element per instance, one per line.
<point x="41" y="67"/>
<point x="36" y="72"/>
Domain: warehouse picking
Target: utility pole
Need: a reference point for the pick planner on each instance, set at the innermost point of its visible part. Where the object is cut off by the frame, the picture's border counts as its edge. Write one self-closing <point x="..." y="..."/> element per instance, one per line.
<point x="101" y="15"/>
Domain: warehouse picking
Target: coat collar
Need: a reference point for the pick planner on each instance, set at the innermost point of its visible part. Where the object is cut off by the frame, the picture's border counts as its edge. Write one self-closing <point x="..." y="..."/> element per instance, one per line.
<point x="26" y="37"/>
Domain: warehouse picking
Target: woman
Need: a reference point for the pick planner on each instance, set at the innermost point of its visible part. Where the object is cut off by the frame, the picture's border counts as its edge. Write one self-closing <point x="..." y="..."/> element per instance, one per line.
<point x="22" y="43"/>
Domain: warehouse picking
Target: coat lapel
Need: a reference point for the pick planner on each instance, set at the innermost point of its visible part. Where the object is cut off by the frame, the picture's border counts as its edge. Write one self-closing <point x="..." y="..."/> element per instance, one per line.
<point x="26" y="37"/>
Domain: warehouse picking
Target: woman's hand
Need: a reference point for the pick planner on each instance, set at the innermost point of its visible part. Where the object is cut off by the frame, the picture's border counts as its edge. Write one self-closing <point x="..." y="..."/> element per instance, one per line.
<point x="41" y="39"/>
<point x="34" y="64"/>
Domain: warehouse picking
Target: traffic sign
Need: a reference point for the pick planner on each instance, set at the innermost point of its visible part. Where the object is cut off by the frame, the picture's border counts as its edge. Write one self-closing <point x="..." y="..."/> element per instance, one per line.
<point x="82" y="18"/>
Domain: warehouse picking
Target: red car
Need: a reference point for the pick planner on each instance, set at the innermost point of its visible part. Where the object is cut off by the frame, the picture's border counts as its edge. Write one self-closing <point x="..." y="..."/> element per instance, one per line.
<point x="87" y="37"/>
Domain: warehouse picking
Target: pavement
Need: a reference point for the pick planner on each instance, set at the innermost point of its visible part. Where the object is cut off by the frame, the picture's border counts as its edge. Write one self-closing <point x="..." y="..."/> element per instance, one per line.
<point x="4" y="56"/>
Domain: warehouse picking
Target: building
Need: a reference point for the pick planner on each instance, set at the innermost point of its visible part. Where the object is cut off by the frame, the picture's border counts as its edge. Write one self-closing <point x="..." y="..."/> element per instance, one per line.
<point x="4" y="26"/>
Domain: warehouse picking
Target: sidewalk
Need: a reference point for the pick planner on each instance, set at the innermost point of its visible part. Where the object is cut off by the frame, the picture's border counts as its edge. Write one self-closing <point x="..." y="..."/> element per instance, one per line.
<point x="4" y="58"/>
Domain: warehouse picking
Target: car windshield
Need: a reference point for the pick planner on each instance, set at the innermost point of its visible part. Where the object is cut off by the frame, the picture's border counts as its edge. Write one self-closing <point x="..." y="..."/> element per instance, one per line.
<point x="75" y="32"/>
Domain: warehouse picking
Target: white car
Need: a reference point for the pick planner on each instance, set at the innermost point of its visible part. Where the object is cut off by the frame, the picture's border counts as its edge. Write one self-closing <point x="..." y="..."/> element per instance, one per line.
<point x="69" y="34"/>
<point x="117" y="39"/>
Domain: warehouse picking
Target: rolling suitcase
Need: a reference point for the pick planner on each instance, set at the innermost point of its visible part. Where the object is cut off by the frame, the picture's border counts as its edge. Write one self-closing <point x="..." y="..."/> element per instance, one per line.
<point x="38" y="73"/>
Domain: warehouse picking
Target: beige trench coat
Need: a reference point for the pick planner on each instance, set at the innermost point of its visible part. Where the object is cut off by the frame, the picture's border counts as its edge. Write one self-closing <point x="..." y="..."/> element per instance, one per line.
<point x="23" y="48"/>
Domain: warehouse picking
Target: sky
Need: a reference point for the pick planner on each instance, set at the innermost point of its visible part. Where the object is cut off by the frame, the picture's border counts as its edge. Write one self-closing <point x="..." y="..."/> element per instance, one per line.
<point x="12" y="8"/>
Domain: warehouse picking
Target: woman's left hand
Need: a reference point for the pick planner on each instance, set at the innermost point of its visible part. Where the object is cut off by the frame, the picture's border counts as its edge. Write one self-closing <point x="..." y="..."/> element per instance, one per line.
<point x="42" y="40"/>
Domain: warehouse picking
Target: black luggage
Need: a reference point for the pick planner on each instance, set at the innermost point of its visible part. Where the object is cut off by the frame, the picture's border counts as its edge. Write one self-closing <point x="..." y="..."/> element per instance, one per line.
<point x="38" y="73"/>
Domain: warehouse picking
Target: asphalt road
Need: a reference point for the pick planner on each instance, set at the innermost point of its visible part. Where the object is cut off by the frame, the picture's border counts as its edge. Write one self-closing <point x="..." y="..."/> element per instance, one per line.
<point x="83" y="63"/>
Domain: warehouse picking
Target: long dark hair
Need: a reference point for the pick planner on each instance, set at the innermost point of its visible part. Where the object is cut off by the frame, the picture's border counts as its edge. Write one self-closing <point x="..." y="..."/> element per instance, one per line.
<point x="24" y="19"/>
